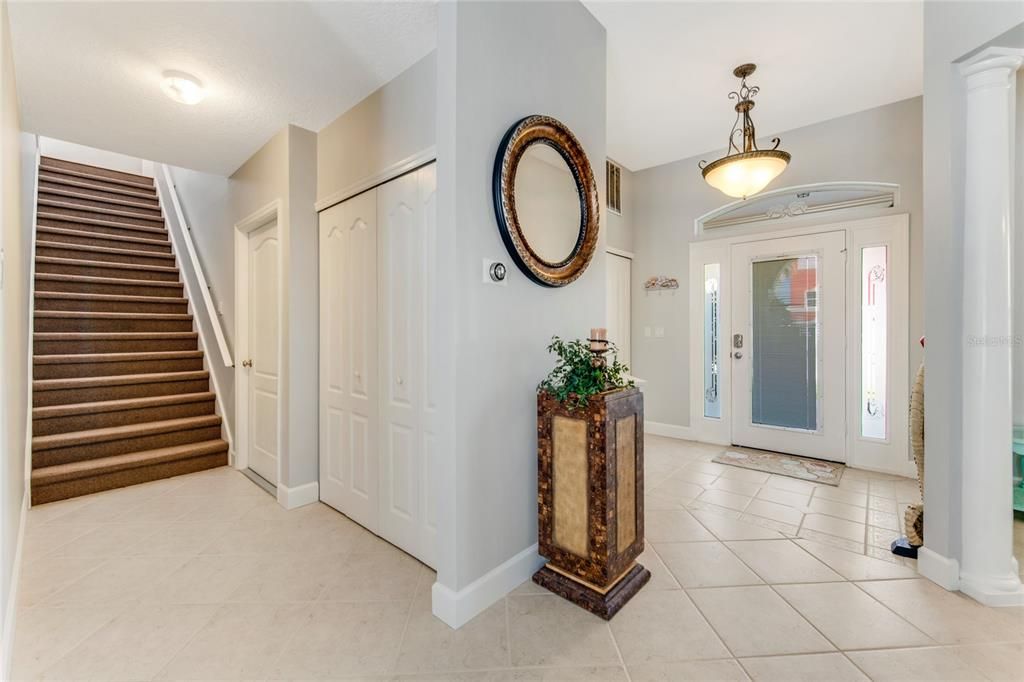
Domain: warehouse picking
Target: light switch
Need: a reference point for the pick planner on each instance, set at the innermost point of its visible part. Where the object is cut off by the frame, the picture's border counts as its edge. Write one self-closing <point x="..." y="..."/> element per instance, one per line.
<point x="659" y="332"/>
<point x="647" y="332"/>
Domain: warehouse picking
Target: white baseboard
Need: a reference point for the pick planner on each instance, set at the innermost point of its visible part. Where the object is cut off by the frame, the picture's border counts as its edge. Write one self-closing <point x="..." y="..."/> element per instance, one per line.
<point x="11" y="608"/>
<point x="458" y="608"/>
<point x="299" y="496"/>
<point x="668" y="430"/>
<point x="941" y="570"/>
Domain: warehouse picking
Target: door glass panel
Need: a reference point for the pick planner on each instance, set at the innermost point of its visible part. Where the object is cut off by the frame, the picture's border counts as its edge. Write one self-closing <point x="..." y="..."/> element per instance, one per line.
<point x="712" y="401"/>
<point x="784" y="347"/>
<point x="874" y="328"/>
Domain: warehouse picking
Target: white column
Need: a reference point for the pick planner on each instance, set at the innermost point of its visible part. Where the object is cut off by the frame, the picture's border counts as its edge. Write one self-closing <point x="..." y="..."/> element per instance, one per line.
<point x="988" y="570"/>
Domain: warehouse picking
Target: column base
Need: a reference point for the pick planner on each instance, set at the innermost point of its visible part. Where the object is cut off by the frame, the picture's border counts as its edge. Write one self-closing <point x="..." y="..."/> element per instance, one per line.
<point x="603" y="604"/>
<point x="1004" y="590"/>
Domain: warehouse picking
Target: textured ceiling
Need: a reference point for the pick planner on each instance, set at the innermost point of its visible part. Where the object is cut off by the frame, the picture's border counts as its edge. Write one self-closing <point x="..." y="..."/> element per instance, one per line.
<point x="90" y="72"/>
<point x="670" y="68"/>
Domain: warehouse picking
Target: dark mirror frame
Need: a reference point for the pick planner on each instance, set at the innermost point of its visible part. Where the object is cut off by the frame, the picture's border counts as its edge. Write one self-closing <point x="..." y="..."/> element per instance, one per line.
<point x="552" y="132"/>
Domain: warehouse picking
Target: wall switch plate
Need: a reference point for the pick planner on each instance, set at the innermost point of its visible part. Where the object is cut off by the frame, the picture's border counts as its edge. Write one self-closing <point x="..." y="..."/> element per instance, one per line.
<point x="647" y="332"/>
<point x="659" y="332"/>
<point x="488" y="278"/>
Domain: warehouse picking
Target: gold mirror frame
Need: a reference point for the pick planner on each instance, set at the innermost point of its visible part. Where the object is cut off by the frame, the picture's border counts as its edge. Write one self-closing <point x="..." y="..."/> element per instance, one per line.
<point x="552" y="132"/>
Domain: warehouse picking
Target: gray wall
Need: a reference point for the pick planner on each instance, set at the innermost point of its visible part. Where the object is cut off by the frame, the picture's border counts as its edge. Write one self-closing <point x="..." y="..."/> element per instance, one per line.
<point x="498" y="62"/>
<point x="951" y="30"/>
<point x="882" y="144"/>
<point x="390" y="125"/>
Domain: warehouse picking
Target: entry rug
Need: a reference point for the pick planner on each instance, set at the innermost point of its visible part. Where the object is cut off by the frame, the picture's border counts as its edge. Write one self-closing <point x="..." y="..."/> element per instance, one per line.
<point x="804" y="468"/>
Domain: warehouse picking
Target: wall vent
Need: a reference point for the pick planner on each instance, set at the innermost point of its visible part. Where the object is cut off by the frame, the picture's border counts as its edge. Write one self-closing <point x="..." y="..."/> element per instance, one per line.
<point x="613" y="186"/>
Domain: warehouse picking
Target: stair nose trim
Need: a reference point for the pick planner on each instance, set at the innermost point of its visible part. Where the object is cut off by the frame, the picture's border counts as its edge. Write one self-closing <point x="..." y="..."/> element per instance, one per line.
<point x="118" y="380"/>
<point x="75" y="314"/>
<point x="114" y="336"/>
<point x="113" y="433"/>
<point x="79" y="358"/>
<point x="121" y="404"/>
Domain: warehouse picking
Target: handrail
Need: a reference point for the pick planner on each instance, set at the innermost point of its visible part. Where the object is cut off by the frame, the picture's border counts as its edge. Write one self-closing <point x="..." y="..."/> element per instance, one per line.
<point x="197" y="268"/>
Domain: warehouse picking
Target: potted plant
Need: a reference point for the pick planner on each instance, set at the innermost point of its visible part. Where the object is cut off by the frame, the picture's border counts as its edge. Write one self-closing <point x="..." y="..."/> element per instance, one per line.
<point x="581" y="373"/>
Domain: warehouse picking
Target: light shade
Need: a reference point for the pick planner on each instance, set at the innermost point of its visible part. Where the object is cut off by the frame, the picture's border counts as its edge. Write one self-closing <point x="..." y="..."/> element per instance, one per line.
<point x="182" y="87"/>
<point x="747" y="173"/>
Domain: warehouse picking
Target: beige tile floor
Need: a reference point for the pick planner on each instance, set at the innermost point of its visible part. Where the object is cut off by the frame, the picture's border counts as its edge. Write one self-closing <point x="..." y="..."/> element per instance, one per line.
<point x="204" y="577"/>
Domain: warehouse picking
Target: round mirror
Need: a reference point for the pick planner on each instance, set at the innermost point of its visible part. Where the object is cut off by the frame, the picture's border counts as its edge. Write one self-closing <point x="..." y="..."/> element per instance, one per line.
<point x="545" y="200"/>
<point x="547" y="204"/>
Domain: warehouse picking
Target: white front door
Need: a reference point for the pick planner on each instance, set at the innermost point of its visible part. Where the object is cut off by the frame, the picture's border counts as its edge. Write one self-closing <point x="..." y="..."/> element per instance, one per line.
<point x="264" y="372"/>
<point x="408" y="406"/>
<point x="788" y="350"/>
<point x="619" y="273"/>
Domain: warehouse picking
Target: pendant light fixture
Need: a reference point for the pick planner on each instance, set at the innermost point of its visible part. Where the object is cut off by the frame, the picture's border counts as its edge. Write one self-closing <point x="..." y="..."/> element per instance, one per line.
<point x="745" y="170"/>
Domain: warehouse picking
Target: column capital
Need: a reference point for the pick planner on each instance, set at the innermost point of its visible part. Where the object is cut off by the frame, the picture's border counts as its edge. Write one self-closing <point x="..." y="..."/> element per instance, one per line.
<point x="992" y="66"/>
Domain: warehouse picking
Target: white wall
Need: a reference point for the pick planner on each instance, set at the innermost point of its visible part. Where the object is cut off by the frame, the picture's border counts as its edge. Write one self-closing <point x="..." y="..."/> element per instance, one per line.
<point x="496" y="63"/>
<point x="17" y="156"/>
<point x="393" y="123"/>
<point x="882" y="144"/>
<point x="951" y="30"/>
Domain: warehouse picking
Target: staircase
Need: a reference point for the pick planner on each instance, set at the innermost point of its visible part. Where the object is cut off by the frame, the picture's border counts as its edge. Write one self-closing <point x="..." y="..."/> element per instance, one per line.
<point x="119" y="393"/>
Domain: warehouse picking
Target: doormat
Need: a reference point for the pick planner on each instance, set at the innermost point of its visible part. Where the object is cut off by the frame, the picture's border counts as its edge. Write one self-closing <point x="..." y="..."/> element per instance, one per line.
<point x="804" y="468"/>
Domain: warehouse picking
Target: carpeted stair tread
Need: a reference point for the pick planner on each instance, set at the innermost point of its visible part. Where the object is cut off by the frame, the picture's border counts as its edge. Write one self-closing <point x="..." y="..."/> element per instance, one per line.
<point x="151" y="284"/>
<point x="112" y="336"/>
<point x="116" y="211"/>
<point x="99" y="406"/>
<point x="67" y="295"/>
<point x="127" y="201"/>
<point x="47" y="181"/>
<point x="83" y="220"/>
<point x="78" y="358"/>
<point x="88" y="250"/>
<point x="59" y="234"/>
<point x="105" y="465"/>
<point x="113" y="433"/>
<point x="72" y="314"/>
<point x="119" y="380"/>
<point x="81" y="170"/>
<point x="69" y="262"/>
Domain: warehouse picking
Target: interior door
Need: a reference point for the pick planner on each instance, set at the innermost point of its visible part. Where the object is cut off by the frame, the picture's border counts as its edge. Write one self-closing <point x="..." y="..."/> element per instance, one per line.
<point x="348" y="359"/>
<point x="619" y="272"/>
<point x="264" y="342"/>
<point x="789" y="345"/>
<point x="407" y="290"/>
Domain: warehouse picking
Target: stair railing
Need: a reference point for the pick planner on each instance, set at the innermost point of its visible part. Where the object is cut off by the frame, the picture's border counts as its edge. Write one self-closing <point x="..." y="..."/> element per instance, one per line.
<point x="196" y="266"/>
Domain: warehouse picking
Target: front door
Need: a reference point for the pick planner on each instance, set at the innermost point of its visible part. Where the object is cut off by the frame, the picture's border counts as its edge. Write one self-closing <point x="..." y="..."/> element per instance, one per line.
<point x="788" y="350"/>
<point x="263" y="364"/>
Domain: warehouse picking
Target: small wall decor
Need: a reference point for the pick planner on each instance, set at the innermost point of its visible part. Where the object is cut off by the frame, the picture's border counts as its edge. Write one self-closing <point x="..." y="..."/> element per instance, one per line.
<point x="545" y="201"/>
<point x="590" y="477"/>
<point x="661" y="283"/>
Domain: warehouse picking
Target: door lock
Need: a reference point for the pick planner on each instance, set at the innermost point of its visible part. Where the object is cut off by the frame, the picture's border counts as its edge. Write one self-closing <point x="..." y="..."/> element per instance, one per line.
<point x="737" y="355"/>
<point x="246" y="363"/>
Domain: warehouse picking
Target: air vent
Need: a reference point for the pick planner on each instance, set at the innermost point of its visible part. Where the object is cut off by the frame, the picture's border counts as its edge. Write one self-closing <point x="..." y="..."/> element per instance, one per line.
<point x="613" y="188"/>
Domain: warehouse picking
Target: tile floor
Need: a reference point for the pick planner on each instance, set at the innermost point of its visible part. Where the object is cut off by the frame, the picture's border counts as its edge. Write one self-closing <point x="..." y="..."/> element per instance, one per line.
<point x="204" y="577"/>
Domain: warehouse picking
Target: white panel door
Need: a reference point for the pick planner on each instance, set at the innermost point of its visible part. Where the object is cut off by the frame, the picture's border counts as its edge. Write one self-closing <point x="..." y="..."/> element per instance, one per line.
<point x="407" y="288"/>
<point x="789" y="345"/>
<point x="619" y="272"/>
<point x="348" y="359"/>
<point x="264" y="341"/>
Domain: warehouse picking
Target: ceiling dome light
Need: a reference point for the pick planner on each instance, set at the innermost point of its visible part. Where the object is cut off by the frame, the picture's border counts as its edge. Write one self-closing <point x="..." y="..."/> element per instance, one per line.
<point x="744" y="172"/>
<point x="182" y="87"/>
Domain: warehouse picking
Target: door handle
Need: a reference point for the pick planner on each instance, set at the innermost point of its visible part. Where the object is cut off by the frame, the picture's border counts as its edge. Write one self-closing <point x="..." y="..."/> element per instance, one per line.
<point x="246" y="363"/>
<point x="737" y="355"/>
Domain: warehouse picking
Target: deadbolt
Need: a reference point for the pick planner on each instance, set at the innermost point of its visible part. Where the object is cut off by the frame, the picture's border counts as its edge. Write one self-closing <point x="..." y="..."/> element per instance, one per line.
<point x="246" y="363"/>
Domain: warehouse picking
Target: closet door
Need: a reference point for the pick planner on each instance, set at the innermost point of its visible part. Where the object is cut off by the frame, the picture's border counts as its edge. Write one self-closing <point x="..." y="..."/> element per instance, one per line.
<point x="407" y="286"/>
<point x="349" y="397"/>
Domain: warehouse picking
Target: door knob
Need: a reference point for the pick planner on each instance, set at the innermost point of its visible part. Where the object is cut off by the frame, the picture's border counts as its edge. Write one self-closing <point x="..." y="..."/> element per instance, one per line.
<point x="737" y="355"/>
<point x="246" y="363"/>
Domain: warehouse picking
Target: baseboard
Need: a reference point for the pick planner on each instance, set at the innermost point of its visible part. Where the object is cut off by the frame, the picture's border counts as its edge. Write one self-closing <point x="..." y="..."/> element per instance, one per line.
<point x="458" y="608"/>
<point x="11" y="608"/>
<point x="668" y="430"/>
<point x="941" y="570"/>
<point x="299" y="496"/>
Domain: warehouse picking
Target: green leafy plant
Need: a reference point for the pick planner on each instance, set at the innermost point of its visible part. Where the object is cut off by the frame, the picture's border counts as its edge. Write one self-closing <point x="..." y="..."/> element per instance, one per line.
<point x="575" y="377"/>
